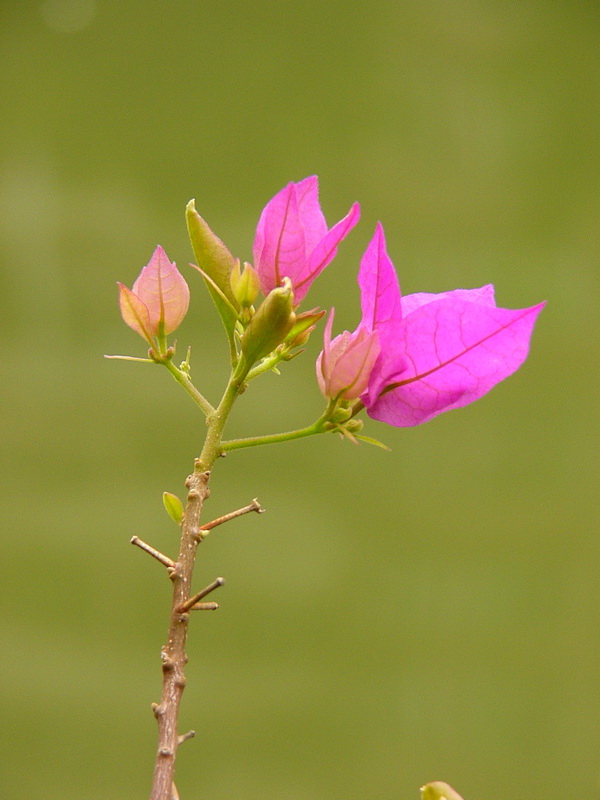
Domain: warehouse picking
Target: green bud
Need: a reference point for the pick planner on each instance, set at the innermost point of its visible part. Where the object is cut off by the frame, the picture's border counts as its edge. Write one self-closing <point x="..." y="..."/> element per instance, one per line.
<point x="303" y="327"/>
<point x="341" y="414"/>
<point x="245" y="284"/>
<point x="355" y="426"/>
<point x="174" y="506"/>
<point x="438" y="790"/>
<point x="212" y="256"/>
<point x="271" y="324"/>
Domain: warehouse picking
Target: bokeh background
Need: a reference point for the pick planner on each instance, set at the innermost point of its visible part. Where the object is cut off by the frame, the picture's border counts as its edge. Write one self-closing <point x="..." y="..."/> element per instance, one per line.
<point x="429" y="613"/>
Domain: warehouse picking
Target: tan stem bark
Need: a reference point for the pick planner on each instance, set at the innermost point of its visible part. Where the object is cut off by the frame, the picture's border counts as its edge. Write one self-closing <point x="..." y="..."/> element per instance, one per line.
<point x="173" y="654"/>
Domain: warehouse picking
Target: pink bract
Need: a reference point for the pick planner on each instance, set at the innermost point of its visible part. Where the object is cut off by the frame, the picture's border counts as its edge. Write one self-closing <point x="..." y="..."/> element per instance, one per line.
<point x="438" y="351"/>
<point x="292" y="239"/>
<point x="158" y="300"/>
<point x="344" y="365"/>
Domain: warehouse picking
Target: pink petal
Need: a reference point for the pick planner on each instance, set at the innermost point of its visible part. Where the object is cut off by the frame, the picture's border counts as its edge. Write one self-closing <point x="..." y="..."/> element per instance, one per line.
<point x="309" y="210"/>
<point x="292" y="239"/>
<point x="354" y="363"/>
<point x="379" y="288"/>
<point x="484" y="296"/>
<point x="164" y="291"/>
<point x="324" y="253"/>
<point x="450" y="353"/>
<point x="134" y="313"/>
<point x="279" y="247"/>
<point x="323" y="361"/>
<point x="345" y="364"/>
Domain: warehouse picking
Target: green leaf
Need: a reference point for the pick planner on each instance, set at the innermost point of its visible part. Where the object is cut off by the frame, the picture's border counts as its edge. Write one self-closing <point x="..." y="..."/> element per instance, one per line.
<point x="174" y="506"/>
<point x="227" y="312"/>
<point x="213" y="257"/>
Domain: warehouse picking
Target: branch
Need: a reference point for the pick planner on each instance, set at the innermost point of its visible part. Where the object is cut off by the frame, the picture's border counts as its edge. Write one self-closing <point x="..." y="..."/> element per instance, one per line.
<point x="274" y="438"/>
<point x="253" y="506"/>
<point x="192" y="601"/>
<point x="182" y="378"/>
<point x="164" y="560"/>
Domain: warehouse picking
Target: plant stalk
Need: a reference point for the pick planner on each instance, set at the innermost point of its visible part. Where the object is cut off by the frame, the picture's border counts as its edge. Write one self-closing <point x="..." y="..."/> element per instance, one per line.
<point x="173" y="654"/>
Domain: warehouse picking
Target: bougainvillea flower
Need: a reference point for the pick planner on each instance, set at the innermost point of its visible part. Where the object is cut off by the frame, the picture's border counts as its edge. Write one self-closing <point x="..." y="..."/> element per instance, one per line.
<point x="345" y="364"/>
<point x="438" y="351"/>
<point x="158" y="300"/>
<point x="292" y="239"/>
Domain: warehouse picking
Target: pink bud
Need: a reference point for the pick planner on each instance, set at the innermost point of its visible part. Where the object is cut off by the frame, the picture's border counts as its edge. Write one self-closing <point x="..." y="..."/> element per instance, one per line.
<point x="158" y="300"/>
<point x="292" y="239"/>
<point x="345" y="364"/>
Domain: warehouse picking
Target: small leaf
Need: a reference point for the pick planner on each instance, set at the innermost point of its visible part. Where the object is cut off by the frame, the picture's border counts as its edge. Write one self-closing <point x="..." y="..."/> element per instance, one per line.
<point x="174" y="506"/>
<point x="438" y="790"/>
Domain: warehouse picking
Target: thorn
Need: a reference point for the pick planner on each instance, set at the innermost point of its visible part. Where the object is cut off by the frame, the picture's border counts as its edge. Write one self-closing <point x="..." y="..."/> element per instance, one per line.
<point x="204" y="607"/>
<point x="164" y="560"/>
<point x="174" y="792"/>
<point x="185" y="736"/>
<point x="191" y="601"/>
<point x="253" y="506"/>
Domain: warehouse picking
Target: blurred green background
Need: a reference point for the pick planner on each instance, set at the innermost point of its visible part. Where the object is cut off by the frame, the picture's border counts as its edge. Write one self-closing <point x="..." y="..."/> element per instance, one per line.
<point x="429" y="613"/>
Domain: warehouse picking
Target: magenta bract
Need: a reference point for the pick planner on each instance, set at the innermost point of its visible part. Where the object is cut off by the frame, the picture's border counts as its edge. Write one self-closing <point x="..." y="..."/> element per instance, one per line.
<point x="438" y="351"/>
<point x="158" y="300"/>
<point x="292" y="239"/>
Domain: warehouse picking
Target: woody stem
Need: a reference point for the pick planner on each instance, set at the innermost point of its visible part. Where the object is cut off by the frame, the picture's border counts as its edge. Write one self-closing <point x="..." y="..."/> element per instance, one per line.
<point x="173" y="654"/>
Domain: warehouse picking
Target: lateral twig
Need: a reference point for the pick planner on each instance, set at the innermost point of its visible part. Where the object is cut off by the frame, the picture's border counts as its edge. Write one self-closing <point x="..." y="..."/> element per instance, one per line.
<point x="185" y="736"/>
<point x="253" y="506"/>
<point x="191" y="602"/>
<point x="164" y="560"/>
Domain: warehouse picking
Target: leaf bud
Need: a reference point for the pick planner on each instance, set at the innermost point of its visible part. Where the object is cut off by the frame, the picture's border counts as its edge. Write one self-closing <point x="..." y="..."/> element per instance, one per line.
<point x="174" y="506"/>
<point x="438" y="790"/>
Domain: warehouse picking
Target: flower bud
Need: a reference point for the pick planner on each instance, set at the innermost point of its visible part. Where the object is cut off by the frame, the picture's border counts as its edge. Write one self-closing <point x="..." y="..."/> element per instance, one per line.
<point x="244" y="284"/>
<point x="303" y="327"/>
<point x="345" y="364"/>
<point x="158" y="300"/>
<point x="271" y="324"/>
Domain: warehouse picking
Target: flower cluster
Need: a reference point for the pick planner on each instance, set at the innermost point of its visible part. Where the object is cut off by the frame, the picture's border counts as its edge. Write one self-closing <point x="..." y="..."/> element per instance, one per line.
<point x="409" y="359"/>
<point x="436" y="351"/>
